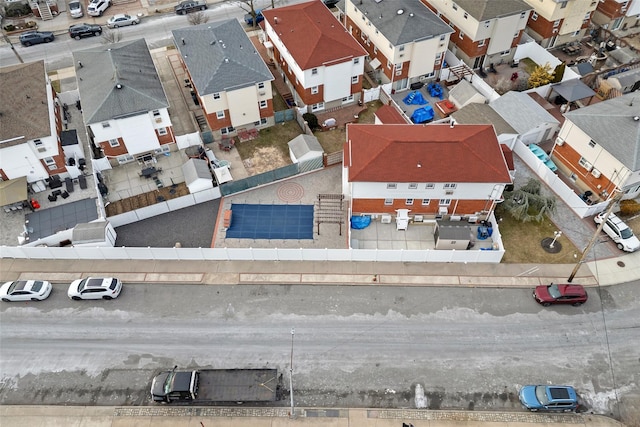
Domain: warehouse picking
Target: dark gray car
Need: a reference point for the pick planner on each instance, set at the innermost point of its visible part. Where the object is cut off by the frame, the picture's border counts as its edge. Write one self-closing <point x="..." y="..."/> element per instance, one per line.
<point x="84" y="30"/>
<point x="36" y="37"/>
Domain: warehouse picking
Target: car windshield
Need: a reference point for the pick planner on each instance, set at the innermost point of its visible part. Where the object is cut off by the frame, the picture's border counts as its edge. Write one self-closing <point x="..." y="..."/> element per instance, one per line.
<point x="167" y="383"/>
<point x="74" y="5"/>
<point x="554" y="291"/>
<point x="17" y="285"/>
<point x="626" y="233"/>
<point x="541" y="394"/>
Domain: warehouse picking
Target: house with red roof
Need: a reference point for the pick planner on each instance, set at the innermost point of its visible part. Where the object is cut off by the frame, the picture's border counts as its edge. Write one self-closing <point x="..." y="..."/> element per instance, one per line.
<point x="319" y="60"/>
<point x="437" y="171"/>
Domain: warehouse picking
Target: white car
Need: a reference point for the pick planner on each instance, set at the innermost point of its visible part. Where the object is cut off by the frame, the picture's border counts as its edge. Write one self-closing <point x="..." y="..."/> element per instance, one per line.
<point x="25" y="290"/>
<point x="95" y="288"/>
<point x="97" y="7"/>
<point x="75" y="9"/>
<point x="619" y="232"/>
<point x="122" y="20"/>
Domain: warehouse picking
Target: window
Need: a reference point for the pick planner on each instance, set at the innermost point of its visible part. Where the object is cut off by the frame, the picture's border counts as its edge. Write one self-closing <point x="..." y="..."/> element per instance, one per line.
<point x="438" y="55"/>
<point x="481" y="43"/>
<point x="314" y="71"/>
<point x="408" y="202"/>
<point x="592" y="143"/>
<point x="556" y="23"/>
<point x="317" y="107"/>
<point x="220" y="114"/>
<point x="375" y="50"/>
<point x="401" y="48"/>
<point x="425" y="202"/>
<point x="587" y="15"/>
<point x="314" y="90"/>
<point x="430" y="186"/>
<point x="227" y="130"/>
<point x="444" y="202"/>
<point x="388" y="65"/>
<point x="413" y="186"/>
<point x="399" y="66"/>
<point x="105" y="125"/>
<point x="37" y="142"/>
<point x="523" y="14"/>
<point x="466" y="15"/>
<point x="216" y="95"/>
<point x="125" y="158"/>
<point x="356" y="61"/>
<point x="392" y="186"/>
<point x="505" y="52"/>
<point x="263" y="120"/>
<point x="584" y="163"/>
<point x="347" y="99"/>
<point x="442" y="37"/>
<point x="51" y="164"/>
<point x="354" y="79"/>
<point x="162" y="131"/>
<point x="450" y="186"/>
<point x="461" y="35"/>
<point x="515" y="36"/>
<point x="534" y="16"/>
<point x="156" y="113"/>
<point x="563" y="4"/>
<point x="114" y="143"/>
<point x="454" y="6"/>
<point x="263" y="104"/>
<point x="487" y="24"/>
<point x="261" y="85"/>
<point x="388" y="202"/>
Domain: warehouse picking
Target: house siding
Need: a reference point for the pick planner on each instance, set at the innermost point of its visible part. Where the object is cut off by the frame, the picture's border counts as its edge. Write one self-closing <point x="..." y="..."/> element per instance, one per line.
<point x="215" y="123"/>
<point x="568" y="159"/>
<point x="456" y="207"/>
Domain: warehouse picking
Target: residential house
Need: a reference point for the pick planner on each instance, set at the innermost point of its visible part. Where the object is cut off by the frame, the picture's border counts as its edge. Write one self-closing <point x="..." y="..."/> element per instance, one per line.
<point x="557" y="22"/>
<point x="405" y="41"/>
<point x="321" y="63"/>
<point x="486" y="31"/>
<point x="30" y="125"/>
<point x="531" y="121"/>
<point x="124" y="106"/>
<point x="598" y="147"/>
<point x="437" y="170"/>
<point x="230" y="79"/>
<point x="617" y="14"/>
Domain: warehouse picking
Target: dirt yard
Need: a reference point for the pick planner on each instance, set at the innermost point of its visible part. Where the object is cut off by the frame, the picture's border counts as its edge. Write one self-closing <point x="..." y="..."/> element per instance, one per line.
<point x="265" y="159"/>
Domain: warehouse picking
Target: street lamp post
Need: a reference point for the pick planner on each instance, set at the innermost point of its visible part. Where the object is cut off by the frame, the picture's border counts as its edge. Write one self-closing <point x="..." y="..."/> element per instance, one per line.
<point x="293" y="331"/>
<point x="556" y="235"/>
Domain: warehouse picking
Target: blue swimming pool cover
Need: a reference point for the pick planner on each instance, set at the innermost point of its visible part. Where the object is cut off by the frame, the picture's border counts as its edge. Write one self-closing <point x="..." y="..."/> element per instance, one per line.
<point x="271" y="222"/>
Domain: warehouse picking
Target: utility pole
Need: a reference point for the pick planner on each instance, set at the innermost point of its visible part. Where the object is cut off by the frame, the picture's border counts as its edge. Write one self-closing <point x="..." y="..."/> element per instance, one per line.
<point x="612" y="203"/>
<point x="293" y="331"/>
<point x="6" y="39"/>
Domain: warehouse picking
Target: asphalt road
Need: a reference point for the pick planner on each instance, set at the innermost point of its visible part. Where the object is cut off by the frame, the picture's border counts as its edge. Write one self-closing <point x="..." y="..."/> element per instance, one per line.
<point x="353" y="346"/>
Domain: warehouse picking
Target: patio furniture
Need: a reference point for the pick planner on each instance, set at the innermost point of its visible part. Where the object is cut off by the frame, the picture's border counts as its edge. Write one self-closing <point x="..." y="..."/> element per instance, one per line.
<point x="83" y="182"/>
<point x="226" y="144"/>
<point x="68" y="182"/>
<point x="148" y="172"/>
<point x="402" y="219"/>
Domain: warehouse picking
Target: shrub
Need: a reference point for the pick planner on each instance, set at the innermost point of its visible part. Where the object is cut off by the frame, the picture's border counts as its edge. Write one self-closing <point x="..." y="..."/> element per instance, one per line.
<point x="311" y="120"/>
<point x="16" y="10"/>
<point x="10" y="27"/>
<point x="629" y="207"/>
<point x="31" y="24"/>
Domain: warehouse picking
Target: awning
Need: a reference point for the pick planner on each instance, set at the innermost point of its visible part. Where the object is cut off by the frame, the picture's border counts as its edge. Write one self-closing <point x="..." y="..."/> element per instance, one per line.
<point x="375" y="63"/>
<point x="268" y="44"/>
<point x="573" y="90"/>
<point x="13" y="191"/>
<point x="222" y="174"/>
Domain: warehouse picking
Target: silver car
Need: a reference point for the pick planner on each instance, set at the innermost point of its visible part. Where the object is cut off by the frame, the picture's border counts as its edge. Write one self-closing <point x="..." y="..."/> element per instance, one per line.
<point x="75" y="9"/>
<point x="122" y="20"/>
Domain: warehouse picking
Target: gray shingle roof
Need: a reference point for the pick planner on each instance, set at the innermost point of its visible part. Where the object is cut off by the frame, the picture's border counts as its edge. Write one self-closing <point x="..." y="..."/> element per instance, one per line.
<point x="303" y="144"/>
<point x="521" y="111"/>
<point x="611" y="124"/>
<point x="24" y="110"/>
<point x="416" y="22"/>
<point x="117" y="80"/>
<point x="484" y="10"/>
<point x="482" y="114"/>
<point x="220" y="57"/>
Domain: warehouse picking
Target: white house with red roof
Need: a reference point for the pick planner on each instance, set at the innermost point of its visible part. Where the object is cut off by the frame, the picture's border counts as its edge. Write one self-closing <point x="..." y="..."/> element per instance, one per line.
<point x="320" y="61"/>
<point x="437" y="171"/>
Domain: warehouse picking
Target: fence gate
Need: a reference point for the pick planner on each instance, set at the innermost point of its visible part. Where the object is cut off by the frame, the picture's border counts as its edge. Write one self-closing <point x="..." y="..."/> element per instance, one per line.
<point x="284" y="115"/>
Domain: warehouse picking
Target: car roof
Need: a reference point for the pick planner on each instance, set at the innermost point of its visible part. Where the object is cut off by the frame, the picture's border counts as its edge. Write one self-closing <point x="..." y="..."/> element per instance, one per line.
<point x="559" y="393"/>
<point x="97" y="282"/>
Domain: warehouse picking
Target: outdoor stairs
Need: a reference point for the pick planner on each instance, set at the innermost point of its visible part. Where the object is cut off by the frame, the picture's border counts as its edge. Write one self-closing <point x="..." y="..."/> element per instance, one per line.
<point x="45" y="10"/>
<point x="288" y="98"/>
<point x="202" y="123"/>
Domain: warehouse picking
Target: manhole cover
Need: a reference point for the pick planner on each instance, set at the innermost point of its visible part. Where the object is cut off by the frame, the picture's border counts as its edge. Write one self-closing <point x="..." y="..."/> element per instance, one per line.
<point x="620" y="264"/>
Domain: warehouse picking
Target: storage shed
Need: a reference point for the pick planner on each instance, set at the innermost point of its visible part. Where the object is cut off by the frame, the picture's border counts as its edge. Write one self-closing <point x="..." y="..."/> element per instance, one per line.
<point x="197" y="175"/>
<point x="453" y="235"/>
<point x="304" y="147"/>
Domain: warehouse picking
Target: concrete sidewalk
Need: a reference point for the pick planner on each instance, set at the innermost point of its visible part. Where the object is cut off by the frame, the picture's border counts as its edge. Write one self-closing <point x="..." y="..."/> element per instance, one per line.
<point x="188" y="416"/>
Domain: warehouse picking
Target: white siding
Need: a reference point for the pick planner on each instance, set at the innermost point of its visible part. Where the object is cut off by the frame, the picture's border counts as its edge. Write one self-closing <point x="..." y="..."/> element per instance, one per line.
<point x="243" y="106"/>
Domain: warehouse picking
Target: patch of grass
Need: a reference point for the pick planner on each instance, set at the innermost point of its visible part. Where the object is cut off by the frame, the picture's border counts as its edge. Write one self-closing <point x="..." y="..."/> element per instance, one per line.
<point x="331" y="140"/>
<point x="275" y="136"/>
<point x="55" y="83"/>
<point x="367" y="116"/>
<point x="278" y="100"/>
<point x="528" y="64"/>
<point x="522" y="242"/>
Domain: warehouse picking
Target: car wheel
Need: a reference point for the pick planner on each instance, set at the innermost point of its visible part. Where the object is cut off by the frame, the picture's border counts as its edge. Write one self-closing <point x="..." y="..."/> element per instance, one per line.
<point x="48" y="40"/>
<point x="97" y="33"/>
<point x="619" y="245"/>
<point x="134" y="23"/>
<point x="77" y="37"/>
<point x="202" y="8"/>
<point x="27" y="44"/>
<point x="115" y="26"/>
<point x="577" y="304"/>
<point x="76" y="298"/>
<point x="546" y="304"/>
<point x="107" y="297"/>
<point x="35" y="299"/>
<point x="6" y="300"/>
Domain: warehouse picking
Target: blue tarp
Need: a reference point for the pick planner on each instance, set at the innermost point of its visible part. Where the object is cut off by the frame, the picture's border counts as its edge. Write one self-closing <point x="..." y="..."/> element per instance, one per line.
<point x="415" y="98"/>
<point x="360" y="222"/>
<point x="422" y="115"/>
<point x="435" y="90"/>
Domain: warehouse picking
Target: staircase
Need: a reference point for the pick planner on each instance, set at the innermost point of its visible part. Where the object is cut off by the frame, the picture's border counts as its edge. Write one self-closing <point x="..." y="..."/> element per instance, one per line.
<point x="45" y="10"/>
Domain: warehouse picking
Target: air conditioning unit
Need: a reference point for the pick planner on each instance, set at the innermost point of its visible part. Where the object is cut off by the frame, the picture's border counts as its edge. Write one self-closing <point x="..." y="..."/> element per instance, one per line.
<point x="588" y="166"/>
<point x="595" y="173"/>
<point x="262" y="93"/>
<point x="399" y="73"/>
<point x="473" y="219"/>
<point x="418" y="218"/>
<point x="42" y="149"/>
<point x="385" y="219"/>
<point x="443" y="210"/>
<point x="559" y="141"/>
<point x="455" y="218"/>
<point x="448" y="192"/>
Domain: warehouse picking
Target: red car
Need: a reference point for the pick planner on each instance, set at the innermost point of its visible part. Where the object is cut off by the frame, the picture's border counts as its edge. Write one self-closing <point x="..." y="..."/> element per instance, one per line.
<point x="560" y="294"/>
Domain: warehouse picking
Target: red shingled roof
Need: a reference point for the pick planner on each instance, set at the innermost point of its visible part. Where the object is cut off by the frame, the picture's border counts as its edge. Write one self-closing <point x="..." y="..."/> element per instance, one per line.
<point x="389" y="115"/>
<point x="312" y="35"/>
<point x="391" y="153"/>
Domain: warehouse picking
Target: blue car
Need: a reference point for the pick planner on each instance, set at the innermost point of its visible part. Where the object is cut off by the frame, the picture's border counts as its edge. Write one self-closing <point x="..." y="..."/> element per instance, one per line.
<point x="549" y="398"/>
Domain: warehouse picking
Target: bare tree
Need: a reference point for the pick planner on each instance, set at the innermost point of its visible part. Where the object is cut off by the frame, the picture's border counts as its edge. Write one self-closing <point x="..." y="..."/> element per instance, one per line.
<point x="111" y="36"/>
<point x="197" y="18"/>
<point x="528" y="203"/>
<point x="249" y="8"/>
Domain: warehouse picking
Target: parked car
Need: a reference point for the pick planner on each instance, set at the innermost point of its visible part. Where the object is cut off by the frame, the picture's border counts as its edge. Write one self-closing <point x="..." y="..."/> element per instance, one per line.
<point x="75" y="9"/>
<point x="549" y="398"/>
<point x="25" y="290"/>
<point x="189" y="6"/>
<point x="248" y="18"/>
<point x="95" y="288"/>
<point x="84" y="30"/>
<point x="122" y="20"/>
<point x="560" y="294"/>
<point x="619" y="232"/>
<point x="97" y="7"/>
<point x="35" y="37"/>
